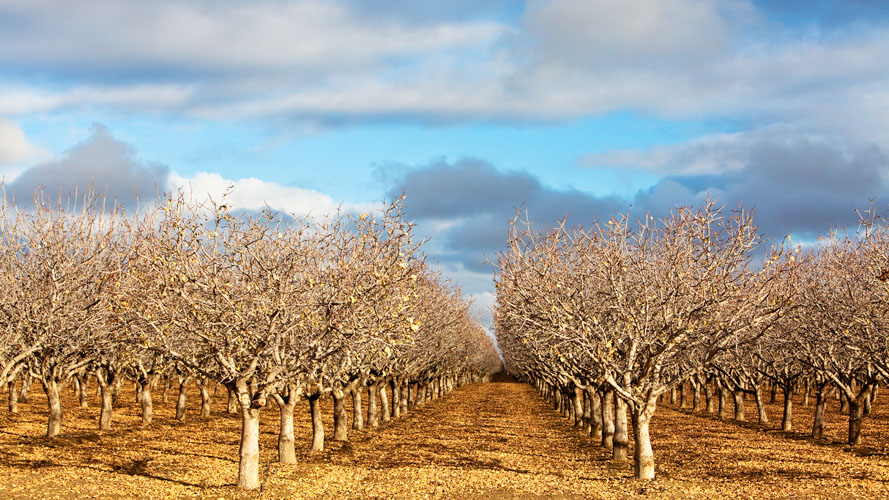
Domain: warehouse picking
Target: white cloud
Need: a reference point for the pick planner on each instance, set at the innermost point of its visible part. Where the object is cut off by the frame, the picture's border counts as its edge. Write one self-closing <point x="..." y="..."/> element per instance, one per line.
<point x="330" y="61"/>
<point x="251" y="193"/>
<point x="23" y="100"/>
<point x="483" y="305"/>
<point x="721" y="154"/>
<point x="16" y="150"/>
<point x="306" y="36"/>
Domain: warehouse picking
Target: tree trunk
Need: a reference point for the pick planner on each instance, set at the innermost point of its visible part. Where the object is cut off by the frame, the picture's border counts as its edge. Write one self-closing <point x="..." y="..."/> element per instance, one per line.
<point x="867" y="405"/>
<point x="405" y="397"/>
<point x="723" y="403"/>
<point x="681" y="395"/>
<point x="83" y="393"/>
<point x="384" y="403"/>
<point x="856" y="413"/>
<point x="107" y="406"/>
<point x="232" y="403"/>
<point x="818" y="421"/>
<point x="595" y="415"/>
<point x="166" y="387"/>
<point x="357" y="411"/>
<point x="739" y="405"/>
<point x="760" y="407"/>
<point x="373" y="411"/>
<point x="807" y="388"/>
<point x="206" y="398"/>
<point x="578" y="407"/>
<point x="248" y="454"/>
<point x="643" y="456"/>
<point x="585" y="417"/>
<point x="696" y="396"/>
<point x="396" y="399"/>
<point x="317" y="424"/>
<point x="621" y="433"/>
<point x="54" y="424"/>
<point x="115" y="390"/>
<point x="672" y="399"/>
<point x="340" y="416"/>
<point x="286" y="439"/>
<point x="181" y="400"/>
<point x="423" y="394"/>
<point x="608" y="419"/>
<point x="787" y="419"/>
<point x="147" y="404"/>
<point x="26" y="387"/>
<point x="13" y="397"/>
<point x="774" y="393"/>
<point x="709" y="400"/>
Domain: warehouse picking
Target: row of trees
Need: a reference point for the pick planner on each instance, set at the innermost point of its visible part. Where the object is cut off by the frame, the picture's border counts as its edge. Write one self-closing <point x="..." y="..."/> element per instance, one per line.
<point x="269" y="306"/>
<point x="627" y="311"/>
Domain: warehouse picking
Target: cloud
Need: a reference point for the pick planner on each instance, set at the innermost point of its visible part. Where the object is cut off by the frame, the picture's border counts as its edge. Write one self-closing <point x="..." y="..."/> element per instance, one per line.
<point x="338" y="63"/>
<point x="254" y="194"/>
<point x="16" y="149"/>
<point x="616" y="34"/>
<point x="141" y="97"/>
<point x="434" y="11"/>
<point x="114" y="168"/>
<point x="109" y="164"/>
<point x="800" y="183"/>
<point x="711" y="154"/>
<point x="242" y="45"/>
<point x="466" y="207"/>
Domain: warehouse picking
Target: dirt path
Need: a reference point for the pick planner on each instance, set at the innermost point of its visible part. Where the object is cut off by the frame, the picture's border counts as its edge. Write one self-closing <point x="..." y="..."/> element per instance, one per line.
<point x="488" y="441"/>
<point x="496" y="440"/>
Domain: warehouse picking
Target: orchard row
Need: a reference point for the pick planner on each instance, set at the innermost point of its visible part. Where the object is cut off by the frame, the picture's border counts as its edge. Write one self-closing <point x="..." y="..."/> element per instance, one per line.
<point x="269" y="306"/>
<point x="624" y="312"/>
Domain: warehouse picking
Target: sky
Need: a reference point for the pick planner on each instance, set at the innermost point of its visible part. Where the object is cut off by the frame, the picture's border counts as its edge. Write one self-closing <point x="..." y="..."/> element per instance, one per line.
<point x="471" y="108"/>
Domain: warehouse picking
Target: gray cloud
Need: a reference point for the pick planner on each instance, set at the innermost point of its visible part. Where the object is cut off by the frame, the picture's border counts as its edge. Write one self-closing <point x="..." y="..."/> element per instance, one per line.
<point x="435" y="10"/>
<point x="108" y="163"/>
<point x="468" y="205"/>
<point x="338" y="63"/>
<point x="799" y="183"/>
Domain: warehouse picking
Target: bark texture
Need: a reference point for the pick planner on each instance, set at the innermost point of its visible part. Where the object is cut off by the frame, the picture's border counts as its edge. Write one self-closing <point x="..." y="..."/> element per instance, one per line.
<point x="54" y="402"/>
<point x="621" y="432"/>
<point x="317" y="424"/>
<point x="340" y="416"/>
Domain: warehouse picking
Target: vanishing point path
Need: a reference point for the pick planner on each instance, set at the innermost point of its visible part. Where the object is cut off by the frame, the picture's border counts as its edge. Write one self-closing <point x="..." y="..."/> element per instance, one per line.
<point x="488" y="441"/>
<point x="501" y="440"/>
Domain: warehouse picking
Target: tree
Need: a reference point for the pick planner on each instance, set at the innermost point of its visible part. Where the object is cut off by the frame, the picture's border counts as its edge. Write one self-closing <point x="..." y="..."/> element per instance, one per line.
<point x="640" y="307"/>
<point x="59" y="258"/>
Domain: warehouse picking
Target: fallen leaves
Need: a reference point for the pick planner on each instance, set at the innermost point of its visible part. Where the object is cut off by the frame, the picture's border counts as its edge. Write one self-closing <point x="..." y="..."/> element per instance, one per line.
<point x="490" y="441"/>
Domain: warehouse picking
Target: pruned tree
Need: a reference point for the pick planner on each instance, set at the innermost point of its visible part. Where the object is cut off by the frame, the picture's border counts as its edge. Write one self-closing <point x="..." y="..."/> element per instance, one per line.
<point x="639" y="306"/>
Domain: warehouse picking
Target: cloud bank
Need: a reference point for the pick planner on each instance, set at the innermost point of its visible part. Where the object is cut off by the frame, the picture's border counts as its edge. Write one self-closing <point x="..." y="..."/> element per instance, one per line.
<point x="107" y="164"/>
<point x="342" y="62"/>
<point x="113" y="168"/>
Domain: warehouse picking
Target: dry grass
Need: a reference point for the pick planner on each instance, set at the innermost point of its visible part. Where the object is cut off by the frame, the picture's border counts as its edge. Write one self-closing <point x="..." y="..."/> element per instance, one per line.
<point x="491" y="441"/>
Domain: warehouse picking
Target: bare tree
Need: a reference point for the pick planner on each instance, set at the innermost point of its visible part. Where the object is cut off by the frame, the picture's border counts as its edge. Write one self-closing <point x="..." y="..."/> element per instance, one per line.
<point x="639" y="306"/>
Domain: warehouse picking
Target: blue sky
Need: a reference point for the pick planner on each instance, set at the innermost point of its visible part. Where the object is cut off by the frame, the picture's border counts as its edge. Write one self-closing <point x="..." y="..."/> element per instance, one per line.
<point x="568" y="107"/>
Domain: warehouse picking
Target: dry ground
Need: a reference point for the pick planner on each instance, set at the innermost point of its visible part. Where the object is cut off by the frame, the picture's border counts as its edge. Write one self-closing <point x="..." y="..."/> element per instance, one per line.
<point x="490" y="441"/>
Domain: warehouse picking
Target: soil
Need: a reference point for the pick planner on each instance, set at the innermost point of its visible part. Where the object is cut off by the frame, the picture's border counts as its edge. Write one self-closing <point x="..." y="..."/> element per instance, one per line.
<point x="490" y="441"/>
